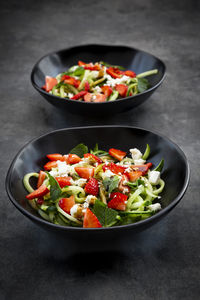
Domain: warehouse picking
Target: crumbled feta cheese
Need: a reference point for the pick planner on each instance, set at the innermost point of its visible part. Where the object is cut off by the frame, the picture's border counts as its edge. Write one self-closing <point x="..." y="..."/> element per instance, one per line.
<point x="80" y="182"/>
<point x="97" y="89"/>
<point x="95" y="74"/>
<point x="73" y="210"/>
<point x="85" y="204"/>
<point x="154" y="207"/>
<point x="135" y="153"/>
<point x="154" y="177"/>
<point x="139" y="161"/>
<point x="107" y="173"/>
<point x="64" y="169"/>
<point x="90" y="199"/>
<point x="70" y="95"/>
<point x="54" y="173"/>
<point x="112" y="81"/>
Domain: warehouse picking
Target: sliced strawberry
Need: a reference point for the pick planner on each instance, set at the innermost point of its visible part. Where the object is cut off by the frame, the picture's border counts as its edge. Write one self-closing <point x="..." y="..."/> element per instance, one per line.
<point x="117" y="201"/>
<point x="50" y="82"/>
<point x="73" y="159"/>
<point x="95" y="158"/>
<point x="87" y="86"/>
<point x="90" y="97"/>
<point x="64" y="181"/>
<point x="41" y="191"/>
<point x="130" y="73"/>
<point x="85" y="172"/>
<point x="90" y="220"/>
<point x="41" y="178"/>
<point x="72" y="81"/>
<point x="50" y="165"/>
<point x="113" y="72"/>
<point x="122" y="185"/>
<point x="92" y="187"/>
<point x="134" y="175"/>
<point x="79" y="95"/>
<point x="107" y="90"/>
<point x="66" y="204"/>
<point x="114" y="168"/>
<point x="40" y="201"/>
<point x="56" y="156"/>
<point x="122" y="89"/>
<point x="89" y="66"/>
<point x="118" y="154"/>
<point x="143" y="168"/>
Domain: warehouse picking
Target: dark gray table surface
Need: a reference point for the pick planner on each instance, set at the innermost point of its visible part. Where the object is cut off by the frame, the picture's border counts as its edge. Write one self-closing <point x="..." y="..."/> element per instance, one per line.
<point x="160" y="263"/>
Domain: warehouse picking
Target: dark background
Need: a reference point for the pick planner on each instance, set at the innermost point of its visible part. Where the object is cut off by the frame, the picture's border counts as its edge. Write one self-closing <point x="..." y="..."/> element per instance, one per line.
<point x="160" y="263"/>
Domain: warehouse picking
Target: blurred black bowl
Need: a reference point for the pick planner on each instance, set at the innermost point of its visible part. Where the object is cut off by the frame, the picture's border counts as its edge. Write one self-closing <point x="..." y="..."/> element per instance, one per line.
<point x="32" y="158"/>
<point x="132" y="59"/>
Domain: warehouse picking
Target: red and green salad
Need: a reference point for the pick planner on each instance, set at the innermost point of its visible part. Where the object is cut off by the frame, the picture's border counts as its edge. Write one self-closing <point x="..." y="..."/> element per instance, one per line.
<point x="97" y="82"/>
<point x="95" y="188"/>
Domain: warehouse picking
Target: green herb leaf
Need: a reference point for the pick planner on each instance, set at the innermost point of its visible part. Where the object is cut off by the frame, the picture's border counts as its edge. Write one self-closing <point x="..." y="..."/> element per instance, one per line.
<point x="143" y="84"/>
<point x="55" y="190"/>
<point x="111" y="184"/>
<point x="111" y="66"/>
<point x="79" y="150"/>
<point x="106" y="216"/>
<point x="135" y="184"/>
<point x="160" y="166"/>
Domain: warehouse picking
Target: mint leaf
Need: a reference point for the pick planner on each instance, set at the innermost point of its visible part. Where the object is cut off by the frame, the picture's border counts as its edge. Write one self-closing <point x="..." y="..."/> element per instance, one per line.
<point x="55" y="190"/>
<point x="143" y="84"/>
<point x="111" y="184"/>
<point x="79" y="150"/>
<point x="106" y="216"/>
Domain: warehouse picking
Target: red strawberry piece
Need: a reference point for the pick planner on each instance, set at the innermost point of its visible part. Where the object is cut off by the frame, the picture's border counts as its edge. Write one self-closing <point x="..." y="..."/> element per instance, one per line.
<point x="92" y="187"/>
<point x="66" y="204"/>
<point x="73" y="159"/>
<point x="41" y="178"/>
<point x="122" y="89"/>
<point x="41" y="191"/>
<point x="79" y="95"/>
<point x="50" y="82"/>
<point x="64" y="181"/>
<point x="122" y="185"/>
<point x="107" y="90"/>
<point x="143" y="168"/>
<point x="56" y="156"/>
<point x="51" y="164"/>
<point x="96" y="158"/>
<point x="117" y="201"/>
<point x="87" y="86"/>
<point x="85" y="172"/>
<point x="90" y="220"/>
<point x="118" y="154"/>
<point x="130" y="73"/>
<point x="134" y="175"/>
<point x="116" y="169"/>
<point x="113" y="72"/>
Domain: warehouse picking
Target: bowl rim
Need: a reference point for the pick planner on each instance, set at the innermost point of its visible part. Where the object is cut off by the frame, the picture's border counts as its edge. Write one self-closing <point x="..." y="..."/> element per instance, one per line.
<point x="63" y="100"/>
<point x="121" y="227"/>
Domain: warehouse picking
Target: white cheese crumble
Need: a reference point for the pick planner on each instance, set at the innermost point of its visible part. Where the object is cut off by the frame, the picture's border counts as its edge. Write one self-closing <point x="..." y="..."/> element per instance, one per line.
<point x="139" y="161"/>
<point x="70" y="95"/>
<point x="155" y="207"/>
<point x="154" y="177"/>
<point x="80" y="182"/>
<point x="112" y="81"/>
<point x="97" y="89"/>
<point x="107" y="174"/>
<point x="64" y="169"/>
<point x="135" y="153"/>
<point x="73" y="210"/>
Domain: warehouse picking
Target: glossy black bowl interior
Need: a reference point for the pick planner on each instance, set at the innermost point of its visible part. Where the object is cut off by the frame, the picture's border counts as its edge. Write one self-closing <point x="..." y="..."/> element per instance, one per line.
<point x="32" y="158"/>
<point x="130" y="58"/>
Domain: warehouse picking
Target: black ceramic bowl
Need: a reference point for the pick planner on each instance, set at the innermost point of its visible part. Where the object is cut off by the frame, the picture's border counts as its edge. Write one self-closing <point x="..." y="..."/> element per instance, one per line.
<point x="130" y="58"/>
<point x="32" y="158"/>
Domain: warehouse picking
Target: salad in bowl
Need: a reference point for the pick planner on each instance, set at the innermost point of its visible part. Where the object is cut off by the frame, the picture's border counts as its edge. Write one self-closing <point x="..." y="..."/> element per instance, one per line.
<point x="97" y="82"/>
<point x="94" y="188"/>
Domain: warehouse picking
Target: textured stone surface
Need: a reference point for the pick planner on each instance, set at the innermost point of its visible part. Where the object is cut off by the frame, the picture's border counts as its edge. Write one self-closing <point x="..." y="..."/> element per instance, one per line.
<point x="161" y="263"/>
